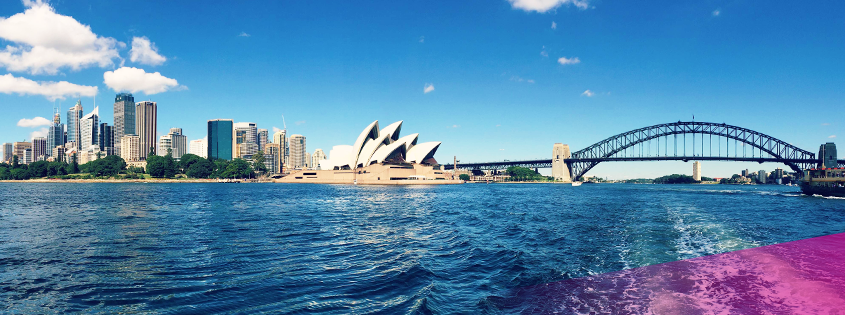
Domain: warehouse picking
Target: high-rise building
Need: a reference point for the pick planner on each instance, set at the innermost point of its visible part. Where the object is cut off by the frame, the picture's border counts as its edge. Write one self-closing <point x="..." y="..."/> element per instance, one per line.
<point x="56" y="133"/>
<point x="39" y="148"/>
<point x="124" y="118"/>
<point x="221" y="144"/>
<point x="59" y="154"/>
<point x="318" y="156"/>
<point x="8" y="151"/>
<point x="74" y="114"/>
<point x="761" y="176"/>
<point x="19" y="150"/>
<point x="146" y="118"/>
<point x="297" y="151"/>
<point x="778" y="175"/>
<point x="174" y="143"/>
<point x="199" y="147"/>
<point x="106" y="141"/>
<point x="263" y="136"/>
<point x="89" y="126"/>
<point x="130" y="146"/>
<point x="246" y="135"/>
<point x="308" y="160"/>
<point x="827" y="155"/>
<point x="696" y="171"/>
<point x="27" y="156"/>
<point x="272" y="158"/>
<point x="745" y="173"/>
<point x="280" y="138"/>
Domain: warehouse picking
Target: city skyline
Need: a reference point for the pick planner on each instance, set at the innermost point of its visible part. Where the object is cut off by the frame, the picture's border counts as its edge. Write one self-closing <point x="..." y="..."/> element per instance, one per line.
<point x="497" y="83"/>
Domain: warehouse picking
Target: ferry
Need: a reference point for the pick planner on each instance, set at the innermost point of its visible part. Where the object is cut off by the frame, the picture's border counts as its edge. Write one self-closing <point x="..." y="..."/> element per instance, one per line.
<point x="824" y="181"/>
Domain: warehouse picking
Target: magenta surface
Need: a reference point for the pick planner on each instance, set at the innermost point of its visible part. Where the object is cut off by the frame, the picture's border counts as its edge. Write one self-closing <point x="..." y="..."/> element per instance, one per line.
<point x="801" y="277"/>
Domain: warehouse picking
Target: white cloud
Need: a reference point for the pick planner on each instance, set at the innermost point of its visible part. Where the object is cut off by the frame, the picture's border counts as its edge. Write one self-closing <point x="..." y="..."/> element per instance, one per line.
<point x="588" y="93"/>
<point x="428" y="88"/>
<point x="35" y="122"/>
<point x="301" y="122"/>
<point x="716" y="12"/>
<point x="554" y="25"/>
<point x="145" y="52"/>
<point x="134" y="80"/>
<point x="832" y="136"/>
<point x="45" y="41"/>
<point x="544" y="53"/>
<point x="422" y="39"/>
<point x="546" y="5"/>
<point x="519" y="79"/>
<point x="456" y="126"/>
<point x="10" y="84"/>
<point x="244" y="34"/>
<point x="568" y="61"/>
<point x="825" y="124"/>
<point x="43" y="132"/>
<point x="498" y="125"/>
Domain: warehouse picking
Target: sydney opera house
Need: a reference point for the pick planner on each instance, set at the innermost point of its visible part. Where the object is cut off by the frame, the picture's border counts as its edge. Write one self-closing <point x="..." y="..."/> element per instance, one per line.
<point x="378" y="156"/>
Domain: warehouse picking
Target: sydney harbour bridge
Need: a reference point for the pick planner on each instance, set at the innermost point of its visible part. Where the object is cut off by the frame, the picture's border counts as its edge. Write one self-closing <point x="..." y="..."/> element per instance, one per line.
<point x="678" y="141"/>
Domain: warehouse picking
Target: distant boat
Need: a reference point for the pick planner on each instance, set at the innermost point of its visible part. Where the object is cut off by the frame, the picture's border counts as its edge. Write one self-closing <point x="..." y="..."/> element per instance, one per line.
<point x="575" y="184"/>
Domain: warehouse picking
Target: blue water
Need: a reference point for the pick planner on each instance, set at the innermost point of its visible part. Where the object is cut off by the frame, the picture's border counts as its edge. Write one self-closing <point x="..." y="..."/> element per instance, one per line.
<point x="276" y="248"/>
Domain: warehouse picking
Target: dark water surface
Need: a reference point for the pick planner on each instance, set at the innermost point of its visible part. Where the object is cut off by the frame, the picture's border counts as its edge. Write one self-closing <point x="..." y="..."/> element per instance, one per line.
<point x="273" y="248"/>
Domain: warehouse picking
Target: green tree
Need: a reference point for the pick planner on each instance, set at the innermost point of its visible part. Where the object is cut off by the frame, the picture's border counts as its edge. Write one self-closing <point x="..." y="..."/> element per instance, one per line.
<point x="74" y="165"/>
<point x="464" y="177"/>
<point x="156" y="166"/>
<point x="109" y="166"/>
<point x="38" y="169"/>
<point x="15" y="161"/>
<point x="187" y="160"/>
<point x="19" y="174"/>
<point x="171" y="166"/>
<point x="258" y="160"/>
<point x="202" y="168"/>
<point x="238" y="168"/>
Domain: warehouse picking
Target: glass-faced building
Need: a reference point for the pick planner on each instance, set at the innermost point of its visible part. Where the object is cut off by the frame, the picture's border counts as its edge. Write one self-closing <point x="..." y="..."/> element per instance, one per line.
<point x="124" y="118"/>
<point x="220" y="139"/>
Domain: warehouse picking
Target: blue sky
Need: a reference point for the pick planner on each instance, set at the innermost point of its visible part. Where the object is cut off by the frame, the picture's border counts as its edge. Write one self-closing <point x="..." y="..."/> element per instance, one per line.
<point x="501" y="89"/>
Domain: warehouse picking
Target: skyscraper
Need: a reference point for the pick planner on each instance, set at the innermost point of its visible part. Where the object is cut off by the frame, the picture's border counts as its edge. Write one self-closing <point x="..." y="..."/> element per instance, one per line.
<point x="297" y="151"/>
<point x="8" y="151"/>
<point x="106" y="134"/>
<point x="39" y="148"/>
<point x="74" y="114"/>
<point x="56" y="133"/>
<point x="145" y="126"/>
<point x="280" y="138"/>
<point x="696" y="171"/>
<point x="761" y="176"/>
<point x="318" y="156"/>
<point x="220" y="139"/>
<point x="246" y="135"/>
<point x="199" y="147"/>
<point x="174" y="142"/>
<point x="272" y="154"/>
<point x="263" y="136"/>
<point x="89" y="126"/>
<point x="130" y="148"/>
<point x="124" y="118"/>
<point x="308" y="160"/>
<point x="19" y="150"/>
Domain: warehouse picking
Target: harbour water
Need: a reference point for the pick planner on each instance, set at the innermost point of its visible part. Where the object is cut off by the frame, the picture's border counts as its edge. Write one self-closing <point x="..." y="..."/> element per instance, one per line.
<point x="335" y="249"/>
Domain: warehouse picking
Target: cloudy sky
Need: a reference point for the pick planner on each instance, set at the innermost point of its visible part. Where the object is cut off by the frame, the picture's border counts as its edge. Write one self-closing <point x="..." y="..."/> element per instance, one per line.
<point x="492" y="79"/>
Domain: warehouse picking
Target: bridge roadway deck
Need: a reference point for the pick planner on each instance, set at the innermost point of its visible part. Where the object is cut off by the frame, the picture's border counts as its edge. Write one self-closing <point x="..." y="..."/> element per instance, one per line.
<point x="547" y="163"/>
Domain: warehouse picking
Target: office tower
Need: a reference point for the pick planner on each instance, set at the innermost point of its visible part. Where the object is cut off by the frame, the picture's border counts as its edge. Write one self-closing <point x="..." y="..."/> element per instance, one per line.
<point x="761" y="176"/>
<point x="19" y="149"/>
<point x="39" y="148"/>
<point x="778" y="175"/>
<point x="827" y="155"/>
<point x="58" y="153"/>
<point x="220" y="139"/>
<point x="74" y="114"/>
<point x="318" y="156"/>
<point x="106" y="141"/>
<point x="280" y="138"/>
<point x="263" y="136"/>
<point x="174" y="143"/>
<point x="145" y="126"/>
<point x="124" y="118"/>
<point x="88" y="129"/>
<point x="297" y="151"/>
<point x="308" y="160"/>
<point x="27" y="156"/>
<point x="199" y="147"/>
<point x="272" y="158"/>
<point x="8" y="151"/>
<point x="56" y="133"/>
<point x="696" y="171"/>
<point x="246" y="135"/>
<point x="130" y="146"/>
<point x="745" y="173"/>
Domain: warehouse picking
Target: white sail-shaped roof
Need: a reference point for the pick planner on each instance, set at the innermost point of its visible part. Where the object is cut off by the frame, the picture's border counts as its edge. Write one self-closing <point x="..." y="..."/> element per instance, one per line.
<point x="421" y="152"/>
<point x="338" y="157"/>
<point x="387" y="151"/>
<point x="371" y="147"/>
<point x="409" y="140"/>
<point x="371" y="132"/>
<point x="393" y="129"/>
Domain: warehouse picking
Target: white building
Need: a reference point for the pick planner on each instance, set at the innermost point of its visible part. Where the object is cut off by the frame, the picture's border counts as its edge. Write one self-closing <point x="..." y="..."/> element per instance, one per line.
<point x="174" y="142"/>
<point x="89" y="125"/>
<point x="316" y="158"/>
<point x="130" y="148"/>
<point x="199" y="147"/>
<point x="246" y="139"/>
<point x="297" y="151"/>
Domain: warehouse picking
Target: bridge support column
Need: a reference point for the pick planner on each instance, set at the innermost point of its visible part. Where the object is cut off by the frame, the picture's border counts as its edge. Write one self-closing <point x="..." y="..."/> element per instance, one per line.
<point x="560" y="169"/>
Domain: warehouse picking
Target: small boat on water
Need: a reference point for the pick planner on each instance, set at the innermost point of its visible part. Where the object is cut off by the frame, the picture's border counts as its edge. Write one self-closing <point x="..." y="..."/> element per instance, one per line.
<point x="824" y="181"/>
<point x="576" y="184"/>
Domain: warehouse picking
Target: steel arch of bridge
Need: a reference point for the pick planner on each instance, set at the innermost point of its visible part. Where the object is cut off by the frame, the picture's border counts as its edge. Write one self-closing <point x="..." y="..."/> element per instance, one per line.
<point x="609" y="149"/>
